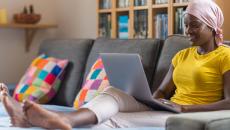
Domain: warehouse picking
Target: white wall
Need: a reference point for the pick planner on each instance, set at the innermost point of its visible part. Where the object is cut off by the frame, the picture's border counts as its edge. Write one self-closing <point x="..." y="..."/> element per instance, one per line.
<point x="14" y="59"/>
<point x="77" y="18"/>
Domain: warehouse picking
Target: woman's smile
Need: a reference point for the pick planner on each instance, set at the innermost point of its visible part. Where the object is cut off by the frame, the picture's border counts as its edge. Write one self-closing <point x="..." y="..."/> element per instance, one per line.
<point x="192" y="38"/>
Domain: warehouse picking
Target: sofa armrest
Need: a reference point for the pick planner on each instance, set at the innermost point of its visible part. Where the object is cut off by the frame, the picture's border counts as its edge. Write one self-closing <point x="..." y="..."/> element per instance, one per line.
<point x="215" y="120"/>
<point x="220" y="124"/>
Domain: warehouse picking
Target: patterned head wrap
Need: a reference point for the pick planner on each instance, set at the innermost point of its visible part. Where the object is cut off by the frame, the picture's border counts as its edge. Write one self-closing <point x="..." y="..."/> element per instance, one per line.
<point x="209" y="13"/>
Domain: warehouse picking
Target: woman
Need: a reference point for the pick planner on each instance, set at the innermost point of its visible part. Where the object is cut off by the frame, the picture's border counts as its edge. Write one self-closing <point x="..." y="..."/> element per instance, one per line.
<point x="198" y="80"/>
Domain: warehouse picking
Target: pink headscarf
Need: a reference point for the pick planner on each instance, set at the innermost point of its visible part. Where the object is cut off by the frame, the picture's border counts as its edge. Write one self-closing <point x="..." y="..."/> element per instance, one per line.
<point x="210" y="13"/>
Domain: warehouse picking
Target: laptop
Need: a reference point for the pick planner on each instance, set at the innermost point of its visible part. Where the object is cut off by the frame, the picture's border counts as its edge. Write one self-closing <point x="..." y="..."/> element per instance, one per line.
<point x="125" y="72"/>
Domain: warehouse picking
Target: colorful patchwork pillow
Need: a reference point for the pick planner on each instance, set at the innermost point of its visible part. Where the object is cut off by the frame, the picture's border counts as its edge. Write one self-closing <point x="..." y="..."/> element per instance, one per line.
<point x="95" y="82"/>
<point x="42" y="79"/>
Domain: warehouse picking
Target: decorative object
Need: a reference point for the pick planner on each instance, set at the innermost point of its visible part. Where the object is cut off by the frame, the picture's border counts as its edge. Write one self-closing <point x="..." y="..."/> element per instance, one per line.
<point x="41" y="80"/>
<point x="3" y="16"/>
<point x="27" y="17"/>
<point x="95" y="82"/>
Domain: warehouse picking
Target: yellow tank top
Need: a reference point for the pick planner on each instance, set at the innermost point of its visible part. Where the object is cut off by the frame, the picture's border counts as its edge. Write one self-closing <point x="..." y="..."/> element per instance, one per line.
<point x="199" y="78"/>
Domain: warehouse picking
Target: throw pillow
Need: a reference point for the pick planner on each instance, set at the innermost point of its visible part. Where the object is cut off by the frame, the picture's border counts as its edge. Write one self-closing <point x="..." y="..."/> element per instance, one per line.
<point x="42" y="79"/>
<point x="95" y="82"/>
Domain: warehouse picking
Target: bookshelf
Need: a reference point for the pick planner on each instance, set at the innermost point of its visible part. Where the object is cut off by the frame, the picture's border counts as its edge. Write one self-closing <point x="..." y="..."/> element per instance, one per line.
<point x="129" y="19"/>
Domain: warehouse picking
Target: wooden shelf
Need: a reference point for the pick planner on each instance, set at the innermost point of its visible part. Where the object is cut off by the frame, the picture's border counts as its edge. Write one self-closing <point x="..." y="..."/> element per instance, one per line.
<point x="122" y="9"/>
<point x="140" y="7"/>
<point x="160" y="6"/>
<point x="30" y="30"/>
<point x="152" y="10"/>
<point x="105" y="11"/>
<point x="180" y="4"/>
<point x="28" y="26"/>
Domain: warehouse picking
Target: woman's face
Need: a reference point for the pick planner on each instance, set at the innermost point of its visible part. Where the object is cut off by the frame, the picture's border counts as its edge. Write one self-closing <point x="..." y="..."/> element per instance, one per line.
<point x="198" y="32"/>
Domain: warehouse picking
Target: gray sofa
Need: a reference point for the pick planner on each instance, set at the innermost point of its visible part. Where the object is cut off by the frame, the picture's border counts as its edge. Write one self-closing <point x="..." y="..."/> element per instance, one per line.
<point x="156" y="57"/>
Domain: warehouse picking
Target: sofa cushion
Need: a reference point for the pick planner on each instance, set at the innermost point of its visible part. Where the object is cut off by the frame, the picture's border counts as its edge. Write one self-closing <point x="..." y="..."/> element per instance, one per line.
<point x="137" y="119"/>
<point x="76" y="51"/>
<point x="171" y="46"/>
<point x="199" y="121"/>
<point x="227" y="43"/>
<point x="220" y="124"/>
<point x="148" y="49"/>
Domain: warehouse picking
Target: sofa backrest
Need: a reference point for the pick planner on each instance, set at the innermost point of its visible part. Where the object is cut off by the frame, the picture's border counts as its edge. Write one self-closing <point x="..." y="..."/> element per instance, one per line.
<point x="171" y="46"/>
<point x="148" y="49"/>
<point x="76" y="51"/>
<point x="227" y="43"/>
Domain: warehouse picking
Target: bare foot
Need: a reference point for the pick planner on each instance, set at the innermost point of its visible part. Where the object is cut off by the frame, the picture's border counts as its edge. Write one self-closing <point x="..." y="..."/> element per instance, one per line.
<point x="3" y="90"/>
<point x="13" y="108"/>
<point x="41" y="117"/>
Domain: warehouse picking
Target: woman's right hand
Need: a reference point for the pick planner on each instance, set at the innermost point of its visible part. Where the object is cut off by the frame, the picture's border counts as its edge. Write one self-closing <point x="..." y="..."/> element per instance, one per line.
<point x="171" y="104"/>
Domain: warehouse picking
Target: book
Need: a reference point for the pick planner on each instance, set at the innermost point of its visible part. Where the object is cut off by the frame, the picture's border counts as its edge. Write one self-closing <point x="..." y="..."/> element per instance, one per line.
<point x="105" y="25"/>
<point x="140" y="2"/>
<point x="123" y="24"/>
<point x="179" y="21"/>
<point x="161" y="1"/>
<point x="105" y="4"/>
<point x="141" y="24"/>
<point x="176" y="22"/>
<point x="181" y="1"/>
<point x="123" y="3"/>
<point x="165" y="28"/>
<point x="161" y="25"/>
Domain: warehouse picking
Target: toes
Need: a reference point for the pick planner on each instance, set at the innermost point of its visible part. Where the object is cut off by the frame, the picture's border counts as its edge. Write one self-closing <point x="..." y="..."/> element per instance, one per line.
<point x="3" y="89"/>
<point x="4" y="99"/>
<point x="4" y="93"/>
<point x="26" y="106"/>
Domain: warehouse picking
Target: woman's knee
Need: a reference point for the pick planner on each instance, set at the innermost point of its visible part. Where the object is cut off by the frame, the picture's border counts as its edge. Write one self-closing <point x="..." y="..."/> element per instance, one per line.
<point x="126" y="103"/>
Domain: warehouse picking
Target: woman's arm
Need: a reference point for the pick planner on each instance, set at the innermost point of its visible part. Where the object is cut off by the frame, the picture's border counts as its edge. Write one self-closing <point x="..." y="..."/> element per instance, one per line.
<point x="220" y="105"/>
<point x="167" y="87"/>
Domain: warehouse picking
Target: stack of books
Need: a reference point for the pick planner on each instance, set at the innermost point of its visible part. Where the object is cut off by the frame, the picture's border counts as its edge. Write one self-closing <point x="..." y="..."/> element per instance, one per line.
<point x="161" y="25"/>
<point x="105" y="4"/>
<point x="123" y="26"/>
<point x="123" y="3"/>
<point x="141" y="24"/>
<point x="105" y="25"/>
<point x="161" y="1"/>
<point x="179" y="21"/>
<point x="140" y="2"/>
<point x="181" y="1"/>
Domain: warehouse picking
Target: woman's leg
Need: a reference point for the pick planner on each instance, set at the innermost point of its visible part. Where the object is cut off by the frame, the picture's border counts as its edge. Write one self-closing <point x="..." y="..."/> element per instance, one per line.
<point x="13" y="108"/>
<point x="92" y="113"/>
<point x="99" y="109"/>
<point x="81" y="117"/>
<point x="38" y="116"/>
<point x="29" y="114"/>
<point x="111" y="101"/>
